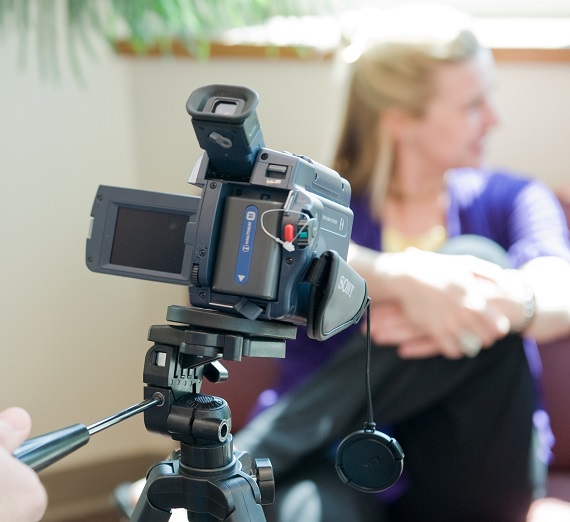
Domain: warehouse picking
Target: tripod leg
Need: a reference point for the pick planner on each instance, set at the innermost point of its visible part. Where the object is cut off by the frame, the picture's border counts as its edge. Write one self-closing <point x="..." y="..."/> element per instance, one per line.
<point x="246" y="508"/>
<point x="230" y="498"/>
<point x="144" y="510"/>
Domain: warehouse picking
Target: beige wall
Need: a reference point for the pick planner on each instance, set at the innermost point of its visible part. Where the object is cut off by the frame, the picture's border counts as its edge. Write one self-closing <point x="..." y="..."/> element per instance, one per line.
<point x="73" y="342"/>
<point x="535" y="134"/>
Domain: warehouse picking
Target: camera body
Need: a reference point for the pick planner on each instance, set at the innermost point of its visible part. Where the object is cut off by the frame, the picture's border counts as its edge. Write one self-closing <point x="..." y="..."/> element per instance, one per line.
<point x="246" y="244"/>
<point x="264" y="216"/>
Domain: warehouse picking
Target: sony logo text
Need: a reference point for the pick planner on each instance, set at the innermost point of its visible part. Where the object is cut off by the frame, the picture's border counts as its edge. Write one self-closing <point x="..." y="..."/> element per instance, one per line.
<point x="346" y="286"/>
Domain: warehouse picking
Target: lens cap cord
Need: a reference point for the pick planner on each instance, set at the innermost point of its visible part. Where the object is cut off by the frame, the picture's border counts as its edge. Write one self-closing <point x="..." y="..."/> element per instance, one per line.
<point x="369" y="460"/>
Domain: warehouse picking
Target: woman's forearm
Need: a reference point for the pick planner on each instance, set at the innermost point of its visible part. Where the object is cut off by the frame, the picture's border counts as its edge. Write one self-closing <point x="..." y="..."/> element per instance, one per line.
<point x="376" y="268"/>
<point x="391" y="276"/>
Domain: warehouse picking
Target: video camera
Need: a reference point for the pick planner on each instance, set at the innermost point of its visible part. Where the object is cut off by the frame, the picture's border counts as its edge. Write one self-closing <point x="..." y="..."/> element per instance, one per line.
<point x="262" y="250"/>
<point x="267" y="238"/>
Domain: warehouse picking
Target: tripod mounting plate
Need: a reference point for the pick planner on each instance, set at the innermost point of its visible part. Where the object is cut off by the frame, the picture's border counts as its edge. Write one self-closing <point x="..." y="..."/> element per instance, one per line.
<point x="214" y="320"/>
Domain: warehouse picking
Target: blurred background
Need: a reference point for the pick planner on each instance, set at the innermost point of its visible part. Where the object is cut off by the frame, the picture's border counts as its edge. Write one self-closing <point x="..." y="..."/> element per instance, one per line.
<point x="98" y="96"/>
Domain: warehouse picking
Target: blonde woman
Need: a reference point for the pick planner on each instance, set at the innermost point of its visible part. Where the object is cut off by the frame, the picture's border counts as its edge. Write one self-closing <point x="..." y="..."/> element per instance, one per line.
<point x="455" y="365"/>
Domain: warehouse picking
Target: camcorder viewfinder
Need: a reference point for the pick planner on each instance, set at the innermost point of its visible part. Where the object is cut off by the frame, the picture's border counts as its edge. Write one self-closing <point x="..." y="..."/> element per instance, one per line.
<point x="267" y="239"/>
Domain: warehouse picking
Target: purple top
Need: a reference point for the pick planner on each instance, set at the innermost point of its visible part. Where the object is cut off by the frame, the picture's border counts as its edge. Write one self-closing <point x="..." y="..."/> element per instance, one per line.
<point x="521" y="215"/>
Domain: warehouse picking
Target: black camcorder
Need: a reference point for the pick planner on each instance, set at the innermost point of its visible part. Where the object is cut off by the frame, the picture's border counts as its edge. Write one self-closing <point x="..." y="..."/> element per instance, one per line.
<point x="267" y="239"/>
<point x="262" y="250"/>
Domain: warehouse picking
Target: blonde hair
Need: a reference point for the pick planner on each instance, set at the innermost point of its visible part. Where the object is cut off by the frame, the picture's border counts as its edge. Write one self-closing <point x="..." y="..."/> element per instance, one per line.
<point x="395" y="70"/>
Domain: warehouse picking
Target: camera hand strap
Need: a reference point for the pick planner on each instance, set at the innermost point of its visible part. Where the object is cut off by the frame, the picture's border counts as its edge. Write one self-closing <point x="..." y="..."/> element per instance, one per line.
<point x="338" y="296"/>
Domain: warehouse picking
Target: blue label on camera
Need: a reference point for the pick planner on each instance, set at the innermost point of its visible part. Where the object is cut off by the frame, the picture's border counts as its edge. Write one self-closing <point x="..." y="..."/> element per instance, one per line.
<point x="245" y="250"/>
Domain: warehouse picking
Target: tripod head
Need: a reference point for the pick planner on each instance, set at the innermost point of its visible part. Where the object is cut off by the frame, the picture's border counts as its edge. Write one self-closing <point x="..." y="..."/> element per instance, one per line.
<point x="206" y="477"/>
<point x="184" y="353"/>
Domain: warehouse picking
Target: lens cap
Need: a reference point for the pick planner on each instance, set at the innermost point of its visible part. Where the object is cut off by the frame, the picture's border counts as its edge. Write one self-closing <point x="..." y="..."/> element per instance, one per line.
<point x="369" y="461"/>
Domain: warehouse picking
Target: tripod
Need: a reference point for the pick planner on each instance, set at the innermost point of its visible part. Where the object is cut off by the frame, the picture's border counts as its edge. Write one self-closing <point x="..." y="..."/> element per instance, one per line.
<point x="206" y="476"/>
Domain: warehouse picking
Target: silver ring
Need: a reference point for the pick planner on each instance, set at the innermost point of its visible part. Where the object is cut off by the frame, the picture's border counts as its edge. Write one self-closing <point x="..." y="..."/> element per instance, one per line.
<point x="470" y="344"/>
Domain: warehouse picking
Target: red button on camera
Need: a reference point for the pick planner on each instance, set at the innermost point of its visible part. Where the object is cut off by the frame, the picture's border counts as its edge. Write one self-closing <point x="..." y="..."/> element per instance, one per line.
<point x="289" y="233"/>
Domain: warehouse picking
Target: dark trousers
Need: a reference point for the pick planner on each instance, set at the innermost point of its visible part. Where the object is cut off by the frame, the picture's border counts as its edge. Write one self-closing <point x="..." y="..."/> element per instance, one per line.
<point x="465" y="427"/>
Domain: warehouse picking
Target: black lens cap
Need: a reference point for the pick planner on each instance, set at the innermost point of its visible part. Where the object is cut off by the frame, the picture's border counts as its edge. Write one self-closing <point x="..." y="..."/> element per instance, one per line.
<point x="369" y="461"/>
